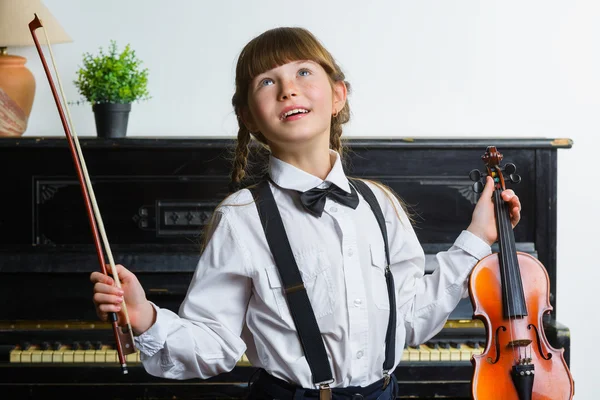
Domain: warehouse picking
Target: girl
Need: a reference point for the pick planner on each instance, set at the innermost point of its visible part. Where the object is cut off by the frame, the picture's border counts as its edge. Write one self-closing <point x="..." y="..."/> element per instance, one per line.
<point x="291" y="96"/>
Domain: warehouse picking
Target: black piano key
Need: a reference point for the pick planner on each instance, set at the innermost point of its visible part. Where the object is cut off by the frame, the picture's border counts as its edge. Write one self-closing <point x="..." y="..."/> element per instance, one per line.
<point x="473" y="344"/>
<point x="25" y="345"/>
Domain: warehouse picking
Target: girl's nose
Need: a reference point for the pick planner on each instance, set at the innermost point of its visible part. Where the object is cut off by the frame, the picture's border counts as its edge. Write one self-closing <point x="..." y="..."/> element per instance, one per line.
<point x="288" y="90"/>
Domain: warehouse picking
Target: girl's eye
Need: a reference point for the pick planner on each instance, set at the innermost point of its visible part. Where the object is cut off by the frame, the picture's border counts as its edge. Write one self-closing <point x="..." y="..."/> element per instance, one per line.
<point x="304" y="72"/>
<point x="266" y="82"/>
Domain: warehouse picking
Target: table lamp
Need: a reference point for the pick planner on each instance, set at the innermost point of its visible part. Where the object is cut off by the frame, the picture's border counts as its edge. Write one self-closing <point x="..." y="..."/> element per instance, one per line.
<point x="17" y="84"/>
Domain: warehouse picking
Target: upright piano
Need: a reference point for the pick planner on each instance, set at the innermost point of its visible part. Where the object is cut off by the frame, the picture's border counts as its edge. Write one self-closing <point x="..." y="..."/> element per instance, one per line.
<point x="156" y="194"/>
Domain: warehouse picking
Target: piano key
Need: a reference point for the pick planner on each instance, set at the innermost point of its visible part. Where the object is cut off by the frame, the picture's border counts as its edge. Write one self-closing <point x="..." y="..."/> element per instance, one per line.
<point x="58" y="356"/>
<point x="424" y="353"/>
<point x="405" y="355"/>
<point x="27" y="354"/>
<point x="78" y="352"/>
<point x="243" y="361"/>
<point x="15" y="355"/>
<point x="69" y="356"/>
<point x="47" y="356"/>
<point x="413" y="353"/>
<point x="466" y="352"/>
<point x="444" y="351"/>
<point x="131" y="358"/>
<point x="36" y="355"/>
<point x="434" y="351"/>
<point x="112" y="356"/>
<point x="89" y="356"/>
<point x="455" y="351"/>
<point x="476" y="347"/>
<point x="101" y="352"/>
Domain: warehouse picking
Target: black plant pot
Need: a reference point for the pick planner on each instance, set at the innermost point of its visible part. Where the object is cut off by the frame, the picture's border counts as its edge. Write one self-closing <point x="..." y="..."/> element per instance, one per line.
<point x="111" y="119"/>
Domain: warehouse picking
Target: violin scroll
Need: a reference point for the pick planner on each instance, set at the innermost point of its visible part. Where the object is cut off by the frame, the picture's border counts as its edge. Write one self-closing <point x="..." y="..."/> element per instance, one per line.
<point x="492" y="158"/>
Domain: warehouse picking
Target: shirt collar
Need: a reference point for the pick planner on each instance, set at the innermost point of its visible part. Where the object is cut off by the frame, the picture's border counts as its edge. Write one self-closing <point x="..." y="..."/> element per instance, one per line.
<point x="287" y="176"/>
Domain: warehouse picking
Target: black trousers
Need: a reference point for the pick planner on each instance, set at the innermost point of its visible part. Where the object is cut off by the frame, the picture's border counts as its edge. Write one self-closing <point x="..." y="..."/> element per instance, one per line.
<point x="268" y="387"/>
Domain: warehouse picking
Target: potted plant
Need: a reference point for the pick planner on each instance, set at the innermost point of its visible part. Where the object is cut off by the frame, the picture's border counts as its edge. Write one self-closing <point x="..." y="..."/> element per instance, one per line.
<point x="111" y="82"/>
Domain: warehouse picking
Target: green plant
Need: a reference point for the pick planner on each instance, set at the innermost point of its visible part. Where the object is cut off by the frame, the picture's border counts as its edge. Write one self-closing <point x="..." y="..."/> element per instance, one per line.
<point x="112" y="77"/>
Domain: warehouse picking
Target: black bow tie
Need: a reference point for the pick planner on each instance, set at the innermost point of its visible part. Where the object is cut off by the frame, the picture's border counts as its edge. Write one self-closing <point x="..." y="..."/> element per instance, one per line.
<point x="314" y="199"/>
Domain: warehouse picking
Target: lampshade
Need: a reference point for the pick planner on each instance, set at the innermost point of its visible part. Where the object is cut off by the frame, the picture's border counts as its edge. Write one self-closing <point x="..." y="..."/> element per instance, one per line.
<point x="15" y="16"/>
<point x="17" y="84"/>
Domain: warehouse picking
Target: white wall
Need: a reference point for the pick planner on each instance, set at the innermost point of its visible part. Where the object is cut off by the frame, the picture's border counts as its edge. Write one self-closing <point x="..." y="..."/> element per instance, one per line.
<point x="426" y="68"/>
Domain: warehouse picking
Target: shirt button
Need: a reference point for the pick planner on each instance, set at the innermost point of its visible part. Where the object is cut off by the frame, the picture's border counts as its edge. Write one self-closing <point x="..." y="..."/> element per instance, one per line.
<point x="333" y="209"/>
<point x="359" y="354"/>
<point x="350" y="252"/>
<point x="357" y="302"/>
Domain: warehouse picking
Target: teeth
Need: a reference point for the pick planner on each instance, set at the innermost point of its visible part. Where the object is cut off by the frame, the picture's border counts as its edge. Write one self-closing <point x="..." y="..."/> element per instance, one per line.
<point x="294" y="111"/>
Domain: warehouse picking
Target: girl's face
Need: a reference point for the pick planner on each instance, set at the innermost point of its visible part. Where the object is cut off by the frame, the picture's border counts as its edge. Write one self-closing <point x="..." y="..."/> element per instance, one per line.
<point x="291" y="105"/>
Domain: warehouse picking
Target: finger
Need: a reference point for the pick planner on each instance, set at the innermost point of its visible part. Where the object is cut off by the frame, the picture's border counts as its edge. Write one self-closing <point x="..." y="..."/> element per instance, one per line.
<point x="515" y="216"/>
<point x="508" y="194"/>
<point x="123" y="273"/>
<point x="103" y="298"/>
<point x="106" y="308"/>
<point x="99" y="277"/>
<point x="108" y="289"/>
<point x="515" y="202"/>
<point x="489" y="187"/>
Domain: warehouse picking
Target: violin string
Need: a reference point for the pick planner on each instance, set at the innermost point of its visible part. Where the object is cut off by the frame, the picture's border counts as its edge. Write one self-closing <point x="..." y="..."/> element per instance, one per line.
<point x="87" y="178"/>
<point x="516" y="270"/>
<point x="508" y="278"/>
<point x="511" y="268"/>
<point x="510" y="264"/>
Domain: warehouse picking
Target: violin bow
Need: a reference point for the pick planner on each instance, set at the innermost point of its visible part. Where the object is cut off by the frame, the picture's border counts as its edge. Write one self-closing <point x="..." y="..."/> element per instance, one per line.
<point x="123" y="334"/>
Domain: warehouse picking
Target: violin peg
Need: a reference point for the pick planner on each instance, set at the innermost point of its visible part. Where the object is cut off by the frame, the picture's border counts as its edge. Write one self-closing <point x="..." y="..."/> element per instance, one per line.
<point x="475" y="175"/>
<point x="510" y="168"/>
<point x="515" y="178"/>
<point x="478" y="187"/>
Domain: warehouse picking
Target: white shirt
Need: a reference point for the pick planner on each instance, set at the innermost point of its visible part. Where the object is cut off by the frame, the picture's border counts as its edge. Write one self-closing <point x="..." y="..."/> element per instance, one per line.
<point x="235" y="302"/>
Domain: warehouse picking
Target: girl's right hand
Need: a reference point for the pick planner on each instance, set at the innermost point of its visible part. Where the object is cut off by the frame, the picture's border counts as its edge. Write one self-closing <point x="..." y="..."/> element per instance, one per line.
<point x="109" y="298"/>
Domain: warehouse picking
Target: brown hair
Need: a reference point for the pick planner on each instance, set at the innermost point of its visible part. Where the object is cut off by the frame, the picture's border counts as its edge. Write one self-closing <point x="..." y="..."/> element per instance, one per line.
<point x="271" y="49"/>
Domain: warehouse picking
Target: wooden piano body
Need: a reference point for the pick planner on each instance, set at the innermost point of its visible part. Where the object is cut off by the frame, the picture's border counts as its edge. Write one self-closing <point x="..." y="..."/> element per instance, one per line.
<point x="155" y="195"/>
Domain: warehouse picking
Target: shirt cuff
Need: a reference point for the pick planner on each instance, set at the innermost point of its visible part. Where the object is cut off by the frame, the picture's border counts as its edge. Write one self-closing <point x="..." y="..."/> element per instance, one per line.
<point x="153" y="340"/>
<point x="473" y="245"/>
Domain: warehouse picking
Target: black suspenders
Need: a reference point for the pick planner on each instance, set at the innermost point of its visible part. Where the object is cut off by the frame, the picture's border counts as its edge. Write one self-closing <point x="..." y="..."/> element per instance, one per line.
<point x="390" y="336"/>
<point x="297" y="297"/>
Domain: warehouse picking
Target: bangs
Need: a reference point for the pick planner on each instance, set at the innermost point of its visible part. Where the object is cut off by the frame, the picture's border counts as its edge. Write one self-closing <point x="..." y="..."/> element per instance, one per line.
<point x="278" y="47"/>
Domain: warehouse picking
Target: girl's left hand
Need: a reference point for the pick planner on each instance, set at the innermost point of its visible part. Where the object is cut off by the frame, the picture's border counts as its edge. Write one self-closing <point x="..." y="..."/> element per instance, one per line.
<point x="483" y="221"/>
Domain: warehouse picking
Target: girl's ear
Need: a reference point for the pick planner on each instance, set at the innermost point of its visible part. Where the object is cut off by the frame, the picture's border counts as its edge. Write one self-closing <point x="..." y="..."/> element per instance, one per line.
<point x="340" y="93"/>
<point x="247" y="120"/>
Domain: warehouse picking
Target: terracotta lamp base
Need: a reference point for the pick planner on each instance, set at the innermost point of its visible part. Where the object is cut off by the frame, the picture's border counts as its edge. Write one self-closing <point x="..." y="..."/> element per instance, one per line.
<point x="17" y="89"/>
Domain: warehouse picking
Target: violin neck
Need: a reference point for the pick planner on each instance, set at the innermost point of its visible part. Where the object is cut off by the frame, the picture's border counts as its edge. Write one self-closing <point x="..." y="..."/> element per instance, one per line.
<point x="513" y="298"/>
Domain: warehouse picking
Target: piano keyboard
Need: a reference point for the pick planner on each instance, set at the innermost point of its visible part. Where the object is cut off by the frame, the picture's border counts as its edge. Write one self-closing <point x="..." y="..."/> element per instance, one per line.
<point x="76" y="353"/>
<point x="443" y="351"/>
<point x="100" y="353"/>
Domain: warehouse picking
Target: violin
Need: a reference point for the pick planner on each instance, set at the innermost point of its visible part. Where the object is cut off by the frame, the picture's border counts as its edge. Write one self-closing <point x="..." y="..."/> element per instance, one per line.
<point x="509" y="291"/>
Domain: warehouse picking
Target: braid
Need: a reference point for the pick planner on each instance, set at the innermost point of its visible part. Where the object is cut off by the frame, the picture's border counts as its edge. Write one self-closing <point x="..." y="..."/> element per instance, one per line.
<point x="240" y="160"/>
<point x="335" y="137"/>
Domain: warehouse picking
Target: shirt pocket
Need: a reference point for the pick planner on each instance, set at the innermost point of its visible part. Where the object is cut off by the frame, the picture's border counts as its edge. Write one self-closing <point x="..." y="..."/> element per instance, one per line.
<point x="378" y="281"/>
<point x="315" y="269"/>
